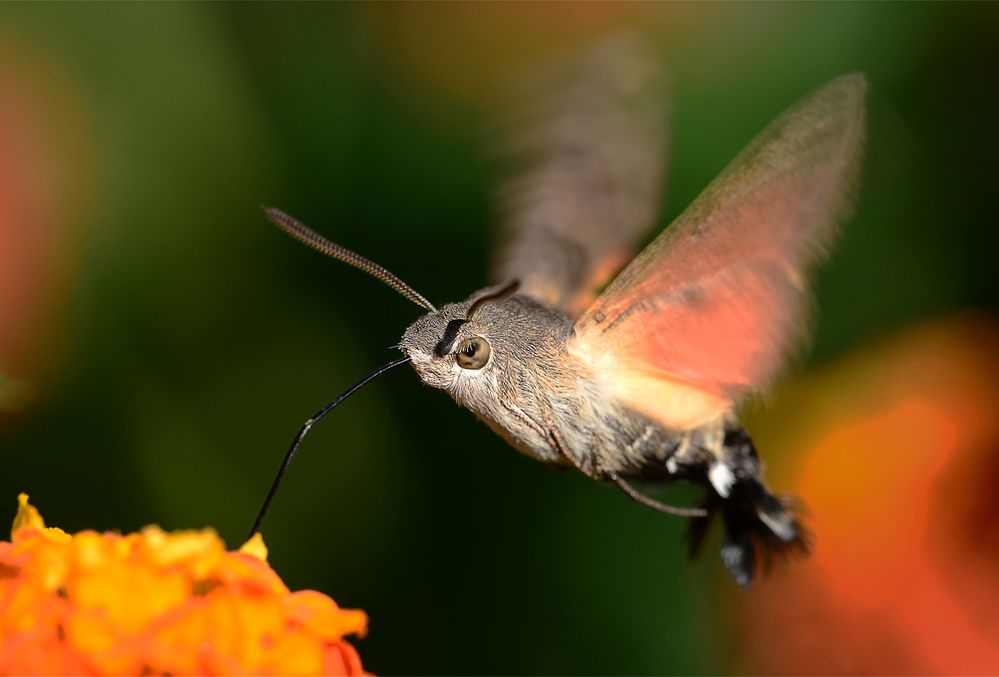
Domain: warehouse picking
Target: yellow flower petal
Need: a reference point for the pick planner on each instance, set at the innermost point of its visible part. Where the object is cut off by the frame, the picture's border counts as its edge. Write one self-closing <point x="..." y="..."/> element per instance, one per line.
<point x="29" y="518"/>
<point x="27" y="515"/>
<point x="255" y="547"/>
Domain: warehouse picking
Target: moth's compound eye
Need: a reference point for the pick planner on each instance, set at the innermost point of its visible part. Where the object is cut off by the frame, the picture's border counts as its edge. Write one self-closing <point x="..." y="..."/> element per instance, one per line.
<point x="473" y="353"/>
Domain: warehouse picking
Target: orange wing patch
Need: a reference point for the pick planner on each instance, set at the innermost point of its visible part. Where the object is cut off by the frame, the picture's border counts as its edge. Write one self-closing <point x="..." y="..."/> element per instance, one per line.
<point x="709" y="310"/>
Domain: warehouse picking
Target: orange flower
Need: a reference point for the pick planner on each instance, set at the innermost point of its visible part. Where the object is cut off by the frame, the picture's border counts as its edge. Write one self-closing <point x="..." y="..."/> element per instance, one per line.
<point x="159" y="603"/>
<point x="895" y="451"/>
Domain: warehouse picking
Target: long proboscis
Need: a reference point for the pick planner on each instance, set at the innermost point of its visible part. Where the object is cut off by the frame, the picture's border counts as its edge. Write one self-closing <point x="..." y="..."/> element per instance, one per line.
<point x="290" y="455"/>
<point x="306" y="235"/>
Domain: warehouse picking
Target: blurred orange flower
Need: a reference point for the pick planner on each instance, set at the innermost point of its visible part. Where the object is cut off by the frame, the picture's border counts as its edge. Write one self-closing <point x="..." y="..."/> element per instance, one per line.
<point x="895" y="449"/>
<point x="47" y="192"/>
<point x="159" y="603"/>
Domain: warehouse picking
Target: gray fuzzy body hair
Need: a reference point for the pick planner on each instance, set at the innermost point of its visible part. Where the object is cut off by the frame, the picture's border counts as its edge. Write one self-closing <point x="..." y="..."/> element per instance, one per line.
<point x="532" y="387"/>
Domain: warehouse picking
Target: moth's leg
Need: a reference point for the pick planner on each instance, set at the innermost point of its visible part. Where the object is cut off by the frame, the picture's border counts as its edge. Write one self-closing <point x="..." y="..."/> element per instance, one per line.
<point x="543" y="431"/>
<point x="550" y="429"/>
<point x="681" y="452"/>
<point x="690" y="453"/>
<point x="633" y="451"/>
<point x="696" y="449"/>
<point x="608" y="475"/>
<point x="558" y="444"/>
<point x="705" y="450"/>
<point x="649" y="502"/>
<point x="721" y="469"/>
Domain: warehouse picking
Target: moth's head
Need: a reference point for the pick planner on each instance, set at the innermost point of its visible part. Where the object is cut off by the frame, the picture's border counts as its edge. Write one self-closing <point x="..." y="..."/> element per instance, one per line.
<point x="463" y="342"/>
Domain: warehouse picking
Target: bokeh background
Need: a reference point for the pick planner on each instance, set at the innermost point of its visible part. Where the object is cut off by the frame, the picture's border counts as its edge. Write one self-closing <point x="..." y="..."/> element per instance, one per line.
<point x="160" y="342"/>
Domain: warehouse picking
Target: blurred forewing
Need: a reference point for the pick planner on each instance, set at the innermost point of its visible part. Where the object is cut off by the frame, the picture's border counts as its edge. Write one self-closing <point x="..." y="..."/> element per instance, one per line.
<point x="585" y="150"/>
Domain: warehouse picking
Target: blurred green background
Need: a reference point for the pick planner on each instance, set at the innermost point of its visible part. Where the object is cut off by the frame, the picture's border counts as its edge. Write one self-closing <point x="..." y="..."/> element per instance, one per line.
<point x="161" y="342"/>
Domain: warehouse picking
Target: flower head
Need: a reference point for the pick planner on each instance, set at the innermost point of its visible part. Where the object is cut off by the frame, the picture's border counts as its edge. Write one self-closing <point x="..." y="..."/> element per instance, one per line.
<point x="895" y="449"/>
<point x="154" y="602"/>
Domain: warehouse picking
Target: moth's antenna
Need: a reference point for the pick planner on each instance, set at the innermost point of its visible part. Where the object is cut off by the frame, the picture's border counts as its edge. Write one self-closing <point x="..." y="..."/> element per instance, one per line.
<point x="305" y="429"/>
<point x="509" y="289"/>
<point x="306" y="235"/>
<point x="454" y="326"/>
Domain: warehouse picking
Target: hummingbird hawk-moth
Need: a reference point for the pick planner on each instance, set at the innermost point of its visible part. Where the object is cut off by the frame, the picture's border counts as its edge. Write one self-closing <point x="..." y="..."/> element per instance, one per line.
<point x="638" y="381"/>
